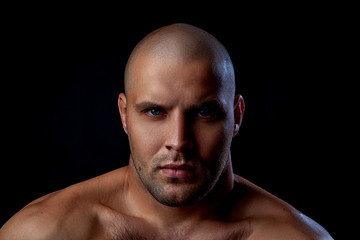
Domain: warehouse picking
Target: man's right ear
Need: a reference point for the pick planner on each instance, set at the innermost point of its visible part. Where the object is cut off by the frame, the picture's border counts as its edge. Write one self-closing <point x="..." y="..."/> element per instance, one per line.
<point x="122" y="110"/>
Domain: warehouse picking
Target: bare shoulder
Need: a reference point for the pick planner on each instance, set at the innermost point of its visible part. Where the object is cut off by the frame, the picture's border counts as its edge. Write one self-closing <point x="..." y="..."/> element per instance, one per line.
<point x="271" y="217"/>
<point x="32" y="222"/>
<point x="58" y="213"/>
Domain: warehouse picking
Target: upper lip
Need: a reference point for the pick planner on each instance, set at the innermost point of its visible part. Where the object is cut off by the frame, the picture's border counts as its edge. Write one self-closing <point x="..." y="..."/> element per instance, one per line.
<point x="178" y="166"/>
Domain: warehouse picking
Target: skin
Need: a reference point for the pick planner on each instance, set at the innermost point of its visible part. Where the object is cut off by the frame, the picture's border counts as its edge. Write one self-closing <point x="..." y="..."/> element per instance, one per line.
<point x="180" y="112"/>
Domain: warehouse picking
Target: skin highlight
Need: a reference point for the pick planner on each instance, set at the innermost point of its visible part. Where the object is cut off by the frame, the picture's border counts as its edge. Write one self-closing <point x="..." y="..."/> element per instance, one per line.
<point x="182" y="42"/>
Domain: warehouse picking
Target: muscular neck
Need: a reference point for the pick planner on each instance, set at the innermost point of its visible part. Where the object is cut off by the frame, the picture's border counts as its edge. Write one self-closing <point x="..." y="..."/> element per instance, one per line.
<point x="143" y="205"/>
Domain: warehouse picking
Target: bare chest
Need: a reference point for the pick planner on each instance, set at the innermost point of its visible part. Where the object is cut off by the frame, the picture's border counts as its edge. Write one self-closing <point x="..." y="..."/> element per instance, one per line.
<point x="132" y="228"/>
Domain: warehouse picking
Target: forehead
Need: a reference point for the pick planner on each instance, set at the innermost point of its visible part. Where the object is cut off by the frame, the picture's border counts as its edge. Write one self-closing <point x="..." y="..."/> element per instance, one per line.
<point x="174" y="81"/>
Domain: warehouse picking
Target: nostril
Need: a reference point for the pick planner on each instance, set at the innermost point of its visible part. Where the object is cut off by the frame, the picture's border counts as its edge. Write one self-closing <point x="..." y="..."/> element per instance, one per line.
<point x="180" y="147"/>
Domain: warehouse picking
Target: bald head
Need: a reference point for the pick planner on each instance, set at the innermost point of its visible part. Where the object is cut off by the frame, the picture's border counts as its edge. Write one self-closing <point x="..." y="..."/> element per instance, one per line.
<point x="182" y="43"/>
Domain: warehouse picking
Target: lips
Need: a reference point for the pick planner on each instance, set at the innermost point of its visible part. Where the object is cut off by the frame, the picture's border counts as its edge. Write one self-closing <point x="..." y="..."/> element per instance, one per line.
<point x="177" y="171"/>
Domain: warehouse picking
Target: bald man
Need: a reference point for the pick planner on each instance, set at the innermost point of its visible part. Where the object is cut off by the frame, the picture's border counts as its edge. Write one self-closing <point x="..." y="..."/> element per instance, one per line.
<point x="180" y="113"/>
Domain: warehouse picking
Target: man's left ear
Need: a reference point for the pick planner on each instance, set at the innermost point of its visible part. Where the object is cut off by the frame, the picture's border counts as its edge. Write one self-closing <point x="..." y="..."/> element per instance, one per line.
<point x="239" y="108"/>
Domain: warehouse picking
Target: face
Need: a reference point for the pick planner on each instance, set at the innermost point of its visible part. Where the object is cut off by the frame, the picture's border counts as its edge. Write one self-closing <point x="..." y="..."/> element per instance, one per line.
<point x="180" y="122"/>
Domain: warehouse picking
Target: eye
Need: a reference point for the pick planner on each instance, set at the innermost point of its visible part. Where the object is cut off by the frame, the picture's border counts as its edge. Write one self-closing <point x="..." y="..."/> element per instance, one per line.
<point x="154" y="112"/>
<point x="210" y="114"/>
<point x="204" y="113"/>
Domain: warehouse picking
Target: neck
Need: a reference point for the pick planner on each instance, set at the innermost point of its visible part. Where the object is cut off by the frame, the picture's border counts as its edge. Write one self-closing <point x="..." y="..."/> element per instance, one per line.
<point x="143" y="205"/>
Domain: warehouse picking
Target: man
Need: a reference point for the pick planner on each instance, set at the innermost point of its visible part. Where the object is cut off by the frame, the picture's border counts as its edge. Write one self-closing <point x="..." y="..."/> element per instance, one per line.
<point x="180" y="113"/>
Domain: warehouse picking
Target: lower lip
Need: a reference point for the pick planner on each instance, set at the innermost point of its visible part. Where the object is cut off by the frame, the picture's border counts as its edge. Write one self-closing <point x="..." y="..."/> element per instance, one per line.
<point x="176" y="173"/>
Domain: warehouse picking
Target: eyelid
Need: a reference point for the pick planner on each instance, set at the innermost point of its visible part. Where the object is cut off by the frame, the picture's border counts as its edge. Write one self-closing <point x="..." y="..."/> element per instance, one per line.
<point x="161" y="114"/>
<point x="213" y="114"/>
<point x="214" y="109"/>
<point x="146" y="106"/>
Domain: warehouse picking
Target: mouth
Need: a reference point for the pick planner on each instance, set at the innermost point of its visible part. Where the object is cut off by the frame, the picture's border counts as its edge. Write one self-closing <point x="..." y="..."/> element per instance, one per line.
<point x="182" y="171"/>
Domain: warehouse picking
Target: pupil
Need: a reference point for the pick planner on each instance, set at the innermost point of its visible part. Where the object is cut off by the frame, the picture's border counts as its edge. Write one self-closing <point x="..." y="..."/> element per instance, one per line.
<point x="154" y="112"/>
<point x="204" y="113"/>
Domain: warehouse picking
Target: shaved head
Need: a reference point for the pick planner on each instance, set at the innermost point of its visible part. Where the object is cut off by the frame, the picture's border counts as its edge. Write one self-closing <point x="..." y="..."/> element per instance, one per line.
<point x="179" y="107"/>
<point x="182" y="43"/>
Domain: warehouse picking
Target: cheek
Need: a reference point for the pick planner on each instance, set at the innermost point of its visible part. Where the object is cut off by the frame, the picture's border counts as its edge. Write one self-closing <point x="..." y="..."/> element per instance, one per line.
<point x="214" y="141"/>
<point x="144" y="140"/>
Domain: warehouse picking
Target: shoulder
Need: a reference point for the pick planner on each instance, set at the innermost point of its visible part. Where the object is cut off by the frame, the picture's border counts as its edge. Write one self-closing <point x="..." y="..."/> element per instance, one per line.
<point x="292" y="226"/>
<point x="38" y="220"/>
<point x="56" y="214"/>
<point x="271" y="217"/>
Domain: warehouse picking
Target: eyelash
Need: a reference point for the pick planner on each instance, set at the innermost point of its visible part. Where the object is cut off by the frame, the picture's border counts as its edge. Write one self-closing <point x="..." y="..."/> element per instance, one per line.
<point x="211" y="115"/>
<point x="150" y="113"/>
<point x="154" y="109"/>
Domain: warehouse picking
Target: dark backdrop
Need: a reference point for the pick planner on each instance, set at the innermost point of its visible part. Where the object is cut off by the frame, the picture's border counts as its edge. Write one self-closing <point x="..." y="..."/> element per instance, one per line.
<point x="66" y="71"/>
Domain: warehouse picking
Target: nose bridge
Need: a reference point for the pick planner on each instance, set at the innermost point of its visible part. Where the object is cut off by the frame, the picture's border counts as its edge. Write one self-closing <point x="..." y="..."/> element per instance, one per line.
<point x="178" y="132"/>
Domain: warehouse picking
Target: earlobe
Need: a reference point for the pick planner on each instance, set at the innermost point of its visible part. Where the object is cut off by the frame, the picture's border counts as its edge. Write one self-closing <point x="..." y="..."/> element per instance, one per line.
<point x="239" y="108"/>
<point x="236" y="129"/>
<point x="122" y="109"/>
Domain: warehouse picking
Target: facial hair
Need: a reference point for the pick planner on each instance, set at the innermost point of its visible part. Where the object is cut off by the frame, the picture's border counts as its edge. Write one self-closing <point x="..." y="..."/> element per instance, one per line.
<point x="175" y="192"/>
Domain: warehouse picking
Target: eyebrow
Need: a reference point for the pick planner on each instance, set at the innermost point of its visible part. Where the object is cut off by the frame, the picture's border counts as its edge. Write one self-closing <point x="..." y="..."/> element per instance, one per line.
<point x="214" y="104"/>
<point x="147" y="105"/>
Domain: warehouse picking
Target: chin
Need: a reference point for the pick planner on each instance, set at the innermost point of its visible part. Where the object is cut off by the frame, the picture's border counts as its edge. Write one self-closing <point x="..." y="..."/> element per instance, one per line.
<point x="180" y="196"/>
<point x="176" y="202"/>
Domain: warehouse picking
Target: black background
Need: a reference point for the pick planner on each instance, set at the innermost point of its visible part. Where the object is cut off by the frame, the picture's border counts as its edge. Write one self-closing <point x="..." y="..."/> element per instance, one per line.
<point x="65" y="70"/>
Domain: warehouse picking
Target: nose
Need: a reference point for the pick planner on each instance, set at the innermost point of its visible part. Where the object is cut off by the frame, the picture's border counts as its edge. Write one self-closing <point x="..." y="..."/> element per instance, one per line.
<point x="179" y="133"/>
